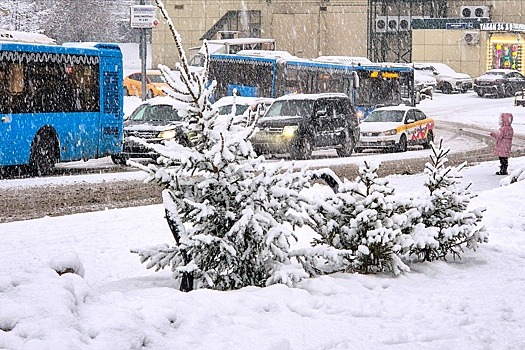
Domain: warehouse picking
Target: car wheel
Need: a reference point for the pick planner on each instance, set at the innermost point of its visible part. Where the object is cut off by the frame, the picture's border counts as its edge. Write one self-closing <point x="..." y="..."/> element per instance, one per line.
<point x="402" y="145"/>
<point x="119" y="159"/>
<point x="126" y="91"/>
<point x="44" y="154"/>
<point x="510" y="91"/>
<point x="446" y="88"/>
<point x="347" y="147"/>
<point x="149" y="94"/>
<point x="301" y="149"/>
<point x="429" y="140"/>
<point x="481" y="94"/>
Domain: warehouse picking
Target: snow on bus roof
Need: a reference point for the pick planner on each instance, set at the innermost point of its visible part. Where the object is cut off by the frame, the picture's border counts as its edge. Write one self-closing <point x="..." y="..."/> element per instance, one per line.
<point x="240" y="41"/>
<point x="343" y="59"/>
<point x="25" y="37"/>
<point x="310" y="96"/>
<point x="266" y="53"/>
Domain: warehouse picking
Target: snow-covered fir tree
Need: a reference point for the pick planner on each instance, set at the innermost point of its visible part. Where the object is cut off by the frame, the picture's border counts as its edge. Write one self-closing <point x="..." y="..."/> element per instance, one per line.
<point x="446" y="226"/>
<point x="363" y="223"/>
<point x="231" y="215"/>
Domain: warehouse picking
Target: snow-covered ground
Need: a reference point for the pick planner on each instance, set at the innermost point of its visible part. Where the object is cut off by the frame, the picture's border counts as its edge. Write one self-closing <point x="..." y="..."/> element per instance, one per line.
<point x="474" y="303"/>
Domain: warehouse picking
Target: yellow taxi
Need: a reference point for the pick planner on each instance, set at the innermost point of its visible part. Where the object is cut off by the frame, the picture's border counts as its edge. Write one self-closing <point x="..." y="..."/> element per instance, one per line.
<point x="395" y="128"/>
<point x="154" y="84"/>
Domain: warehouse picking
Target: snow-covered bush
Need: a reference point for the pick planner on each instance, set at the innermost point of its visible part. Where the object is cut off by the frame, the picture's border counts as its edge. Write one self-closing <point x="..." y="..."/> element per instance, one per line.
<point x="447" y="226"/>
<point x="362" y="225"/>
<point x="231" y="215"/>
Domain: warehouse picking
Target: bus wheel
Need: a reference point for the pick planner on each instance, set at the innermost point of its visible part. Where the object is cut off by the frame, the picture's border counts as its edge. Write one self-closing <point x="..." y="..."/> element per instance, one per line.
<point x="119" y="159"/>
<point x="44" y="154"/>
<point x="301" y="148"/>
<point x="347" y="147"/>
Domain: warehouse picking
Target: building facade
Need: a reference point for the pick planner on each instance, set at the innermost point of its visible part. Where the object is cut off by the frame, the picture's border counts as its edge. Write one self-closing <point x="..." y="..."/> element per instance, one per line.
<point x="469" y="35"/>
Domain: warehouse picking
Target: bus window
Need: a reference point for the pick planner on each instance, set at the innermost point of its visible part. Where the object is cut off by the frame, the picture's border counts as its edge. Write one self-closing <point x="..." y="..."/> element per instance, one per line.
<point x="296" y="82"/>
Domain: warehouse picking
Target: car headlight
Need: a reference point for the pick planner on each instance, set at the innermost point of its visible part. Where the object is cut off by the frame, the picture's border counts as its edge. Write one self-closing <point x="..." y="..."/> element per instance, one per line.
<point x="359" y="115"/>
<point x="167" y="134"/>
<point x="289" y="131"/>
<point x="389" y="132"/>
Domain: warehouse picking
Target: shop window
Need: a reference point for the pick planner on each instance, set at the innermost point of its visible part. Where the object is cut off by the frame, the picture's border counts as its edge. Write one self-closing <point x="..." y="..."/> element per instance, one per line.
<point x="507" y="56"/>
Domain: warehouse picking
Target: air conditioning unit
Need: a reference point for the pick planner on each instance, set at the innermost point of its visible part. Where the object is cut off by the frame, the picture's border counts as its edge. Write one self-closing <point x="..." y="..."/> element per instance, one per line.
<point x="405" y="23"/>
<point x="392" y="23"/>
<point x="475" y="11"/>
<point x="381" y="24"/>
<point x="471" y="38"/>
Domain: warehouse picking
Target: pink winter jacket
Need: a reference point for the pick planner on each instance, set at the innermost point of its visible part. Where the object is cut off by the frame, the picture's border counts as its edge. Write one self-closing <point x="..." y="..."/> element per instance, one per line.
<point x="503" y="136"/>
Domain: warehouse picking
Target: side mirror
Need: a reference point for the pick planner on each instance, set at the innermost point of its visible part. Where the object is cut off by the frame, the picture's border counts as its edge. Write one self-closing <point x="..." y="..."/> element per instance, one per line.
<point x="320" y="113"/>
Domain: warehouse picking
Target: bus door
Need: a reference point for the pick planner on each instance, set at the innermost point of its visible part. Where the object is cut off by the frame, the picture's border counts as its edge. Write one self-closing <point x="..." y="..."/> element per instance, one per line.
<point x="13" y="141"/>
<point x="111" y="111"/>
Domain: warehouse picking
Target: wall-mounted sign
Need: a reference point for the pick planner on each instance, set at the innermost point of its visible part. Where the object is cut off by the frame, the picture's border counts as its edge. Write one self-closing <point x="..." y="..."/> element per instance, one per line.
<point x="142" y="16"/>
<point x="503" y="27"/>
<point x="459" y="25"/>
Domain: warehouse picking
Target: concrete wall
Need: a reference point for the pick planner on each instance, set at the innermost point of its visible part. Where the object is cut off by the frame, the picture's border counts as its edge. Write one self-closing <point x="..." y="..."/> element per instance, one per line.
<point x="448" y="46"/>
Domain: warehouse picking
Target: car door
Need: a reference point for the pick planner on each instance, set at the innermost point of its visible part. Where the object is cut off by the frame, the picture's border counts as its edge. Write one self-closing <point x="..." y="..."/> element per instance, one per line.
<point x="323" y="119"/>
<point x="520" y="81"/>
<point x="422" y="127"/>
<point x="411" y="126"/>
<point x="136" y="83"/>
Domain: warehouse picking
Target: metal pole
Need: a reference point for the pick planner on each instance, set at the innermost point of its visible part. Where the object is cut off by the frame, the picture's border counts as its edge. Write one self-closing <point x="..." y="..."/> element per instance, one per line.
<point x="143" y="56"/>
<point x="143" y="48"/>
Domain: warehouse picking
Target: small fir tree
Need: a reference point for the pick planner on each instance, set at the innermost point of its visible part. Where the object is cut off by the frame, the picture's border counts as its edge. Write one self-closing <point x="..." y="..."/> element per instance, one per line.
<point x="231" y="216"/>
<point x="447" y="224"/>
<point x="362" y="222"/>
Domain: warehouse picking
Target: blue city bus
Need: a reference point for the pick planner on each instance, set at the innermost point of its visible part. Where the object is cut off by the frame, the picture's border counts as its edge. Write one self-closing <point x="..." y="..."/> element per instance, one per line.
<point x="59" y="103"/>
<point x="369" y="85"/>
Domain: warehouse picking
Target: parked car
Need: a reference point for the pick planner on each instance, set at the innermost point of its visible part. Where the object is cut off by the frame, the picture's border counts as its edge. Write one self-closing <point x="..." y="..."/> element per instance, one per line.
<point x="499" y="83"/>
<point x="155" y="120"/>
<point x="155" y="84"/>
<point x="244" y="107"/>
<point x="299" y="124"/>
<point x="395" y="128"/>
<point x="448" y="80"/>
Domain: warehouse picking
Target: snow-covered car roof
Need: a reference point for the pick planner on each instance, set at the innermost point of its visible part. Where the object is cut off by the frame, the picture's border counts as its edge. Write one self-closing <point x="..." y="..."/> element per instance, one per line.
<point x="500" y="71"/>
<point x="441" y="67"/>
<point x="310" y="96"/>
<point x="403" y="108"/>
<point x="165" y="100"/>
<point x="241" y="100"/>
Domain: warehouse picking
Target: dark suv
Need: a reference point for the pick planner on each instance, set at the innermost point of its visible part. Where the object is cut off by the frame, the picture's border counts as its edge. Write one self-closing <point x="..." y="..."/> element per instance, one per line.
<point x="300" y="124"/>
<point x="154" y="121"/>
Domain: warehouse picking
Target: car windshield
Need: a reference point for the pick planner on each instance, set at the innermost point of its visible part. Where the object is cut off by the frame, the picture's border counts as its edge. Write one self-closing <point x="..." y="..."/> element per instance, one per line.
<point x="156" y="78"/>
<point x="385" y="116"/>
<point x="227" y="109"/>
<point x="290" y="108"/>
<point x="157" y="113"/>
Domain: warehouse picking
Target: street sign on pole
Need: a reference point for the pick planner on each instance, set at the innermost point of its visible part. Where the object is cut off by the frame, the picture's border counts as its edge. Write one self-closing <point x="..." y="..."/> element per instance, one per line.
<point x="143" y="16"/>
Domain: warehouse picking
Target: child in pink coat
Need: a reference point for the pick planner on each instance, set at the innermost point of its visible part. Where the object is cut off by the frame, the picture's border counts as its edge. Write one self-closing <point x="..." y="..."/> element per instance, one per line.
<point x="503" y="139"/>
